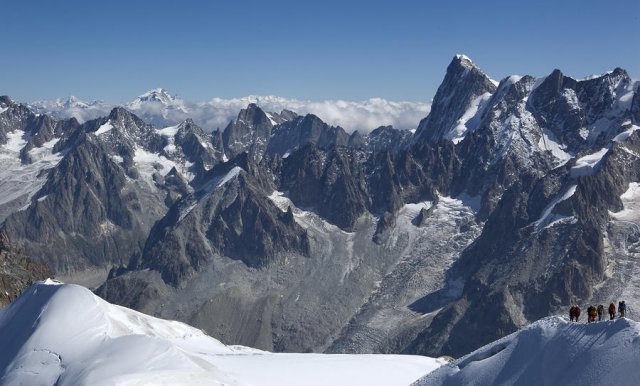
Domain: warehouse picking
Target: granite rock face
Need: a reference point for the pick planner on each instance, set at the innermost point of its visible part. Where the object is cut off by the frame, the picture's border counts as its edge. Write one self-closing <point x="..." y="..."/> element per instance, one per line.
<point x="464" y="89"/>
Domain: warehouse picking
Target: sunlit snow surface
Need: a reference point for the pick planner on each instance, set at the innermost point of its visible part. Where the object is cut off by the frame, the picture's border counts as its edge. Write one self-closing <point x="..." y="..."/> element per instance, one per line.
<point x="551" y="352"/>
<point x="64" y="335"/>
<point x="587" y="165"/>
<point x="104" y="128"/>
<point x="548" y="218"/>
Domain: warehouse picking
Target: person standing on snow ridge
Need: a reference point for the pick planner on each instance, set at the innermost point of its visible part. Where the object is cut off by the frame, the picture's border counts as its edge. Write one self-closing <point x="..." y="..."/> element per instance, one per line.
<point x="622" y="308"/>
<point x="612" y="311"/>
<point x="591" y="314"/>
<point x="572" y="313"/>
<point x="600" y="312"/>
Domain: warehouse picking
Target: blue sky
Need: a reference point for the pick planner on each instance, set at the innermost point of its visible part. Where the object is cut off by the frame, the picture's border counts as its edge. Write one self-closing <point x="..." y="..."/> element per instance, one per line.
<point x="316" y="50"/>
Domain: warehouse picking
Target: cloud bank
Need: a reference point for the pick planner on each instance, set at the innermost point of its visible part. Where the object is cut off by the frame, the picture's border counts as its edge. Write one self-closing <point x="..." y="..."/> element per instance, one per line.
<point x="161" y="109"/>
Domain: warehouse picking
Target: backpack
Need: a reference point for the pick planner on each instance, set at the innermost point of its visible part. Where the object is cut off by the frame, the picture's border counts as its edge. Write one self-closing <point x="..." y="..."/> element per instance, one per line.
<point x="600" y="309"/>
<point x="622" y="306"/>
<point x="612" y="308"/>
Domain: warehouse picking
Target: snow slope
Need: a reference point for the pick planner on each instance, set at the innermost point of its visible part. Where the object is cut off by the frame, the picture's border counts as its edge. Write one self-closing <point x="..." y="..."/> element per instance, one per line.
<point x="20" y="181"/>
<point x="64" y="335"/>
<point x="550" y="352"/>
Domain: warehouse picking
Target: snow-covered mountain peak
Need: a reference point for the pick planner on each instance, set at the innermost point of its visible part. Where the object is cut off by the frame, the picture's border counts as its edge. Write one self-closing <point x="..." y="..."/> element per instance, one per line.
<point x="464" y="61"/>
<point x="158" y="107"/>
<point x="157" y="95"/>
<point x="73" y="101"/>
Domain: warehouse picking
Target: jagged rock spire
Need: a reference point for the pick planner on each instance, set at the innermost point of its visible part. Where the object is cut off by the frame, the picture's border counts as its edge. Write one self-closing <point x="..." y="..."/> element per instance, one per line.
<point x="462" y="84"/>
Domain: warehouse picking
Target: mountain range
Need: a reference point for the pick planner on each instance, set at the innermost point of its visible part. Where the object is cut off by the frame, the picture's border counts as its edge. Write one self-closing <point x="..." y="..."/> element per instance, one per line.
<point x="510" y="201"/>
<point x="161" y="108"/>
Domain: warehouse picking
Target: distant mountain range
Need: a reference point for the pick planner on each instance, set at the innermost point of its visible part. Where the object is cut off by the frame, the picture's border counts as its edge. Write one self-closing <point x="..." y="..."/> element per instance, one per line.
<point x="510" y="201"/>
<point x="160" y="108"/>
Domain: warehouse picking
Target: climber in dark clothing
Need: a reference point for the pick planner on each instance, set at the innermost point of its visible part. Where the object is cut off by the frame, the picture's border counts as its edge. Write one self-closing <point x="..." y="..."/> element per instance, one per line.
<point x="612" y="311"/>
<point x="622" y="307"/>
<point x="600" y="312"/>
<point x="574" y="313"/>
<point x="591" y="314"/>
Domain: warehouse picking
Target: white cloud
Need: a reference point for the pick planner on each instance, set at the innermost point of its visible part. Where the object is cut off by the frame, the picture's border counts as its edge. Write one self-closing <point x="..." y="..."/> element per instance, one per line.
<point x="363" y="116"/>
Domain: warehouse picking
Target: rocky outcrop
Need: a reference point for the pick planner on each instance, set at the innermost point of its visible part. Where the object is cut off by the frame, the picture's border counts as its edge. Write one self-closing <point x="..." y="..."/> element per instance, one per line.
<point x="301" y="131"/>
<point x="386" y="138"/>
<point x="228" y="215"/>
<point x="17" y="271"/>
<point x="250" y="133"/>
<point x="332" y="183"/>
<point x="197" y="147"/>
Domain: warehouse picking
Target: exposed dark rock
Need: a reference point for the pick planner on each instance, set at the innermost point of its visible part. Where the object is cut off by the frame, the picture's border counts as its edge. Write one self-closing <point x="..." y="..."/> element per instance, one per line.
<point x="228" y="215"/>
<point x="301" y="131"/>
<point x="462" y="84"/>
<point x="250" y="132"/>
<point x="423" y="216"/>
<point x="387" y="138"/>
<point x="85" y="200"/>
<point x="331" y="183"/>
<point x="17" y="271"/>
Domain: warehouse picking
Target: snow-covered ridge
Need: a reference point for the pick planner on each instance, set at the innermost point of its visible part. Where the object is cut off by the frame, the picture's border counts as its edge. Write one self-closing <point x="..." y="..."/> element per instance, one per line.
<point x="64" y="335"/>
<point x="551" y="352"/>
<point x="588" y="164"/>
<point x="548" y="218"/>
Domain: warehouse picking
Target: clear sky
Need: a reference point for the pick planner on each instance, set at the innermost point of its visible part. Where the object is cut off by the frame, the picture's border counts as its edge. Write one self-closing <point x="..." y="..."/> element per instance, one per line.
<point x="352" y="50"/>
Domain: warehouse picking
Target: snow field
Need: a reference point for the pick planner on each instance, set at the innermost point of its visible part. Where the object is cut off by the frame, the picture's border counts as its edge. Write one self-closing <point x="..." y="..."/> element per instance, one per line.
<point x="64" y="335"/>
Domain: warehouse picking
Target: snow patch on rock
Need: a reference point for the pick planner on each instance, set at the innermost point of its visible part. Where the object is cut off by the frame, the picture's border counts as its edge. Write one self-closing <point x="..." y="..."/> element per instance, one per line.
<point x="104" y="128"/>
<point x="587" y="165"/>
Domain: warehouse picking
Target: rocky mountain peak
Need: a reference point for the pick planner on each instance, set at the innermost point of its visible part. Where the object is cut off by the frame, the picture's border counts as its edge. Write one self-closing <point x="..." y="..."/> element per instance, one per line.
<point x="463" y="61"/>
<point x="250" y="132"/>
<point x="5" y="100"/>
<point x="188" y="126"/>
<point x="253" y="115"/>
<point x="619" y="72"/>
<point x="463" y="89"/>
<point x="119" y="113"/>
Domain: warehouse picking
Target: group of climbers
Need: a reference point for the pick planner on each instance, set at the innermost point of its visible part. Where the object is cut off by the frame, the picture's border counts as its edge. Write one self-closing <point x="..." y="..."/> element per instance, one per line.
<point x="593" y="311"/>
